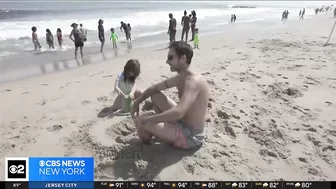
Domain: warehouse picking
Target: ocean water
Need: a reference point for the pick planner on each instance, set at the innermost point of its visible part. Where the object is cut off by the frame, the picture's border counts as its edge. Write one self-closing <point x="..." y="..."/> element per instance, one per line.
<point x="149" y="19"/>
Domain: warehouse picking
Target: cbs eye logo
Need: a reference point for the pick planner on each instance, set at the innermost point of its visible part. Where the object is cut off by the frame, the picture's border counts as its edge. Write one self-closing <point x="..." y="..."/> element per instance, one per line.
<point x="16" y="169"/>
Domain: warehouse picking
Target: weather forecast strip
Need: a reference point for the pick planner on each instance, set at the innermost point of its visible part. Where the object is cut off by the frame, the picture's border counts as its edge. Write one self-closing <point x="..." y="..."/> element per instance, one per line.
<point x="168" y="185"/>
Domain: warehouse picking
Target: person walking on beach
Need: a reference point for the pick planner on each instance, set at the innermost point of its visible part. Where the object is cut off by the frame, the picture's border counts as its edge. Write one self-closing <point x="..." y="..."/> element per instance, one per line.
<point x="84" y="32"/>
<point x="50" y="39"/>
<point x="77" y="39"/>
<point x="193" y="24"/>
<point x="35" y="40"/>
<point x="114" y="38"/>
<point x="59" y="37"/>
<point x="172" y="27"/>
<point x="180" y="124"/>
<point x="126" y="29"/>
<point x="302" y="13"/>
<point x="101" y="34"/>
<point x="185" y="22"/>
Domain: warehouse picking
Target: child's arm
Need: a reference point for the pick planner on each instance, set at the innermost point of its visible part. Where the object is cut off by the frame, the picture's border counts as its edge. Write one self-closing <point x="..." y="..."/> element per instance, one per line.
<point x="116" y="86"/>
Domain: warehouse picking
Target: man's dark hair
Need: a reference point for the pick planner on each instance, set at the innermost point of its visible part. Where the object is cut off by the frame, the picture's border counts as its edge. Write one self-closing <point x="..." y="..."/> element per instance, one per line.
<point x="185" y="13"/>
<point x="34" y="29"/>
<point x="182" y="48"/>
<point x="81" y="25"/>
<point x="170" y="15"/>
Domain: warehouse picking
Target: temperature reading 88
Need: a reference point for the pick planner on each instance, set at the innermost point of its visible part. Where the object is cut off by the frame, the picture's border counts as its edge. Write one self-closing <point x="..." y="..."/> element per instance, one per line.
<point x="306" y="184"/>
<point x="212" y="184"/>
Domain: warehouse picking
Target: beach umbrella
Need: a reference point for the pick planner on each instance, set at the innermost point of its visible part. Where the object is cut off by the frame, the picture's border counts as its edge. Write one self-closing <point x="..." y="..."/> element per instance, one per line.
<point x="332" y="30"/>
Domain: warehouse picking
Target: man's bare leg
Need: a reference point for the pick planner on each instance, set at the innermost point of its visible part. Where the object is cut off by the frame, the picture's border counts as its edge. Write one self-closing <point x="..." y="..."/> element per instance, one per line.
<point x="81" y="51"/>
<point x="76" y="50"/>
<point x="164" y="131"/>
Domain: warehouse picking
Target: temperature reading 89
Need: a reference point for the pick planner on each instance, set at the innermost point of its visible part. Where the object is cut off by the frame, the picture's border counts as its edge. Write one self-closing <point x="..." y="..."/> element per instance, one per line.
<point x="306" y="184"/>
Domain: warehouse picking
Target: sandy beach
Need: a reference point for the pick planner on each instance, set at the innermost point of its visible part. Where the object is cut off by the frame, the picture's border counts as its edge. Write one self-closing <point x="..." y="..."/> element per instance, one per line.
<point x="271" y="113"/>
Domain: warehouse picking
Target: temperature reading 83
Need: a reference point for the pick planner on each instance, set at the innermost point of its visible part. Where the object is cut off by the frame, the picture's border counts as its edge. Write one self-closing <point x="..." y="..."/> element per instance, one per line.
<point x="306" y="184"/>
<point x="242" y="184"/>
<point x="212" y="184"/>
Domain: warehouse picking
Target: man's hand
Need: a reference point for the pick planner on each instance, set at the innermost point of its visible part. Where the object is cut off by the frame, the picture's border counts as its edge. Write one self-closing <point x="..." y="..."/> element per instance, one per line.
<point x="135" y="110"/>
<point x="131" y="96"/>
<point x="142" y="121"/>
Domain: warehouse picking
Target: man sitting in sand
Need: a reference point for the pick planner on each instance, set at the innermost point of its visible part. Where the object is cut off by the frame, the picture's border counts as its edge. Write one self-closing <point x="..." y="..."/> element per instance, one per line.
<point x="180" y="124"/>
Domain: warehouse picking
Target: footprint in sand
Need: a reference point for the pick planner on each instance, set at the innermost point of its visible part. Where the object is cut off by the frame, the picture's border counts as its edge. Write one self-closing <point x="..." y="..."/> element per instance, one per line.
<point x="102" y="98"/>
<point x="55" y="128"/>
<point x="222" y="114"/>
<point x="85" y="102"/>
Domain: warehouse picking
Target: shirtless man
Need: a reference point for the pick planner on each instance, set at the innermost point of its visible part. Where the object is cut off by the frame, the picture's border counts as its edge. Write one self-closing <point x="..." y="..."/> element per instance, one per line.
<point x="185" y="22"/>
<point x="180" y="124"/>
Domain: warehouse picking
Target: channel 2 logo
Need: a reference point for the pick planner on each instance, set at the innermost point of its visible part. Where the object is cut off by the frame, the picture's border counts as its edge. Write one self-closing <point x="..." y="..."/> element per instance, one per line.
<point x="16" y="169"/>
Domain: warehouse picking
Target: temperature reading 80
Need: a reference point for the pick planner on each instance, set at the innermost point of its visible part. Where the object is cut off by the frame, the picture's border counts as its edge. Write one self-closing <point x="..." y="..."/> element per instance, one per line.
<point x="306" y="184"/>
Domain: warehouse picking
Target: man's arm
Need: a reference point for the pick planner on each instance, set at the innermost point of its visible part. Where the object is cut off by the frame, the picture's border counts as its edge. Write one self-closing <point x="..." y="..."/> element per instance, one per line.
<point x="190" y="93"/>
<point x="169" y="83"/>
<point x="182" y="23"/>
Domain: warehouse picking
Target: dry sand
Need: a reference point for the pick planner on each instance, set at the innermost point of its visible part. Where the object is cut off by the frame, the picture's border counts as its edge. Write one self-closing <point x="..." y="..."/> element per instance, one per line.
<point x="272" y="112"/>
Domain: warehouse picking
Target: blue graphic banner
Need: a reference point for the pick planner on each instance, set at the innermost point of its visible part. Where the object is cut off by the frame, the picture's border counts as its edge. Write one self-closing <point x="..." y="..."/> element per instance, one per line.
<point x="62" y="169"/>
<point x="61" y="185"/>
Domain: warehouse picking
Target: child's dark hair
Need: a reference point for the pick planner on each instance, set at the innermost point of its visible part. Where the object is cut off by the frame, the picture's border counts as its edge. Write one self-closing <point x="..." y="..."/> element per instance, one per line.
<point x="34" y="29"/>
<point x="112" y="30"/>
<point x="59" y="30"/>
<point x="133" y="66"/>
<point x="48" y="31"/>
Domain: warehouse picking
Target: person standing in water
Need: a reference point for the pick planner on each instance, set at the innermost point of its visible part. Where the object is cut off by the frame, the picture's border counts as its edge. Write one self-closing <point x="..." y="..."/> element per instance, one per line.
<point x="185" y="22"/>
<point x="101" y="34"/>
<point x="84" y="32"/>
<point x="35" y="39"/>
<point x="126" y="29"/>
<point x="59" y="37"/>
<point x="193" y="24"/>
<point x="78" y="39"/>
<point x="130" y="31"/>
<point x="50" y="39"/>
<point x="172" y="28"/>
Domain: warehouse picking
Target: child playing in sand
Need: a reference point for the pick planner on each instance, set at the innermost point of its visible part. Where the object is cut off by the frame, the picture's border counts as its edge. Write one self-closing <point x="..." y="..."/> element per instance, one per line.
<point x="114" y="38"/>
<point x="59" y="37"/>
<point x="50" y="39"/>
<point x="196" y="39"/>
<point x="35" y="38"/>
<point x="125" y="86"/>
